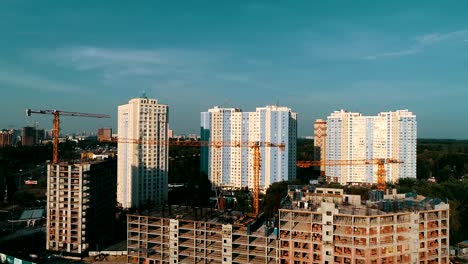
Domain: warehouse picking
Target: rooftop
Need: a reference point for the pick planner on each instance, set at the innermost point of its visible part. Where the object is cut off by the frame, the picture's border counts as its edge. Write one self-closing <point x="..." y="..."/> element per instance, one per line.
<point x="237" y="219"/>
<point x="309" y="198"/>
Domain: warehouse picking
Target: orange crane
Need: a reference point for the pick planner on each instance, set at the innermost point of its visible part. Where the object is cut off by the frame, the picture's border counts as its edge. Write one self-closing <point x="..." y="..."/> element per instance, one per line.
<point x="56" y="124"/>
<point x="381" y="172"/>
<point x="254" y="145"/>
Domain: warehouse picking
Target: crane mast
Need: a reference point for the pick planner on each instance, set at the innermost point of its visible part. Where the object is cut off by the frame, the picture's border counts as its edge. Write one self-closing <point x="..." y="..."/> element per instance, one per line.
<point x="56" y="125"/>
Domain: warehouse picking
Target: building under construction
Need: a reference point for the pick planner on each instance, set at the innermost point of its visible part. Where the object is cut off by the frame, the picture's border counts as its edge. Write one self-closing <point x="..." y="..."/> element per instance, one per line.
<point x="328" y="226"/>
<point x="314" y="225"/>
<point x="81" y="200"/>
<point x="196" y="235"/>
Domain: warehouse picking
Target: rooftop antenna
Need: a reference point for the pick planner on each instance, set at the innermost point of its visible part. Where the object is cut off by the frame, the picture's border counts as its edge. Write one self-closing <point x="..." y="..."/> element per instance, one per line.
<point x="277" y="101"/>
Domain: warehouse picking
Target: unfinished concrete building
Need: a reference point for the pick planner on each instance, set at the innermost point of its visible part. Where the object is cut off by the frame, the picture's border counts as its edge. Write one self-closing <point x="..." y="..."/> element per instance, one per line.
<point x="316" y="225"/>
<point x="327" y="226"/>
<point x="215" y="238"/>
<point x="81" y="199"/>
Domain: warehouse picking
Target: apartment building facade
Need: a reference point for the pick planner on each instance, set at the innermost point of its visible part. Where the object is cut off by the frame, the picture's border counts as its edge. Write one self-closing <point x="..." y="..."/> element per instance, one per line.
<point x="232" y="166"/>
<point x="6" y="138"/>
<point x="320" y="142"/>
<point x="352" y="136"/>
<point x="104" y="134"/>
<point x="80" y="204"/>
<point x="28" y="136"/>
<point x="143" y="167"/>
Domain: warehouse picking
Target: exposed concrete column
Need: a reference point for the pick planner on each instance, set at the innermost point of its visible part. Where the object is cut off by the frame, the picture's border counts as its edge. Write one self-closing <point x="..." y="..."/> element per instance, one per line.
<point x="174" y="241"/>
<point x="414" y="237"/>
<point x="327" y="210"/>
<point x="69" y="208"/>
<point x="227" y="244"/>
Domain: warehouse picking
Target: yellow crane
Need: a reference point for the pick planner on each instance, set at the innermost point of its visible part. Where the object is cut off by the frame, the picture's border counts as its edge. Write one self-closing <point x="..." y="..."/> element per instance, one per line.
<point x="381" y="172"/>
<point x="254" y="145"/>
<point x="56" y="124"/>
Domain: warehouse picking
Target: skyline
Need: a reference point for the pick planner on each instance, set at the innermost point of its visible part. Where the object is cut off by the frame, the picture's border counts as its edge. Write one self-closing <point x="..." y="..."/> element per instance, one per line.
<point x="315" y="58"/>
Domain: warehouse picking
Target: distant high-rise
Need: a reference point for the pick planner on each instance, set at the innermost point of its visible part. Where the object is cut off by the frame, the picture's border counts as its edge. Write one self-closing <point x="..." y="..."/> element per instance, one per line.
<point x="170" y="133"/>
<point x="320" y="142"/>
<point x="104" y="134"/>
<point x="142" y="168"/>
<point x="6" y="138"/>
<point x="351" y="136"/>
<point x="28" y="136"/>
<point x="232" y="166"/>
<point x="40" y="135"/>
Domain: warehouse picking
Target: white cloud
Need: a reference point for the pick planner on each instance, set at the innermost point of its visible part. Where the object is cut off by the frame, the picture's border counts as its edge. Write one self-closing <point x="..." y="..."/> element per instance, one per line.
<point x="433" y="38"/>
<point x="399" y="53"/>
<point x="39" y="83"/>
<point x="116" y="63"/>
<point x="421" y="43"/>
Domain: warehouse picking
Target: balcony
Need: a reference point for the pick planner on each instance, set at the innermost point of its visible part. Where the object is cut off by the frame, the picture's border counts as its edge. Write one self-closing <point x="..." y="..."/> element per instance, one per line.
<point x="386" y="241"/>
<point x="360" y="242"/>
<point x="432" y="216"/>
<point x="433" y="244"/>
<point x="433" y="234"/>
<point x="386" y="230"/>
<point x="402" y="229"/>
<point x="360" y="253"/>
<point x="344" y="230"/>
<point x="343" y="240"/>
<point x="360" y="231"/>
<point x="402" y="239"/>
<point x="432" y="225"/>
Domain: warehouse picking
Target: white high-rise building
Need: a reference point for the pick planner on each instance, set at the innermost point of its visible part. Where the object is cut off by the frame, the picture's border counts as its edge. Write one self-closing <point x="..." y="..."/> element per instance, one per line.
<point x="351" y="136"/>
<point x="142" y="168"/>
<point x="232" y="166"/>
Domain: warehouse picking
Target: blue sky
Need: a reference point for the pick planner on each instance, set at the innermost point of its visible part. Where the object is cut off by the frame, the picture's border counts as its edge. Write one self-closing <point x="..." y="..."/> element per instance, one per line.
<point x="312" y="56"/>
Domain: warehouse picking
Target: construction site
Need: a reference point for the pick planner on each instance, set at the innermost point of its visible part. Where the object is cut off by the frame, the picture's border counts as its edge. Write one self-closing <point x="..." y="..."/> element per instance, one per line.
<point x="200" y="235"/>
<point x="314" y="225"/>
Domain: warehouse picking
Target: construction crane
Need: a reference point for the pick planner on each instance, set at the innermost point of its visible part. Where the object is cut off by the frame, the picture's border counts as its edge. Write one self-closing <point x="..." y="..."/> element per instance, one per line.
<point x="56" y="124"/>
<point x="254" y="145"/>
<point x="381" y="172"/>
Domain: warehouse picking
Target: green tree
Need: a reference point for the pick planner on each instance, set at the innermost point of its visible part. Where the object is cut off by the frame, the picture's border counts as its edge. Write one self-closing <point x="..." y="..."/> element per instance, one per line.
<point x="273" y="197"/>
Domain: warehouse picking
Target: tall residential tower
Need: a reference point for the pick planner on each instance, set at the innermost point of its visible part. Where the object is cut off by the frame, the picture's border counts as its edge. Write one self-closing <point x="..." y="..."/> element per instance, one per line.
<point x="233" y="166"/>
<point x="351" y="136"/>
<point x="320" y="142"/>
<point x="142" y="168"/>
